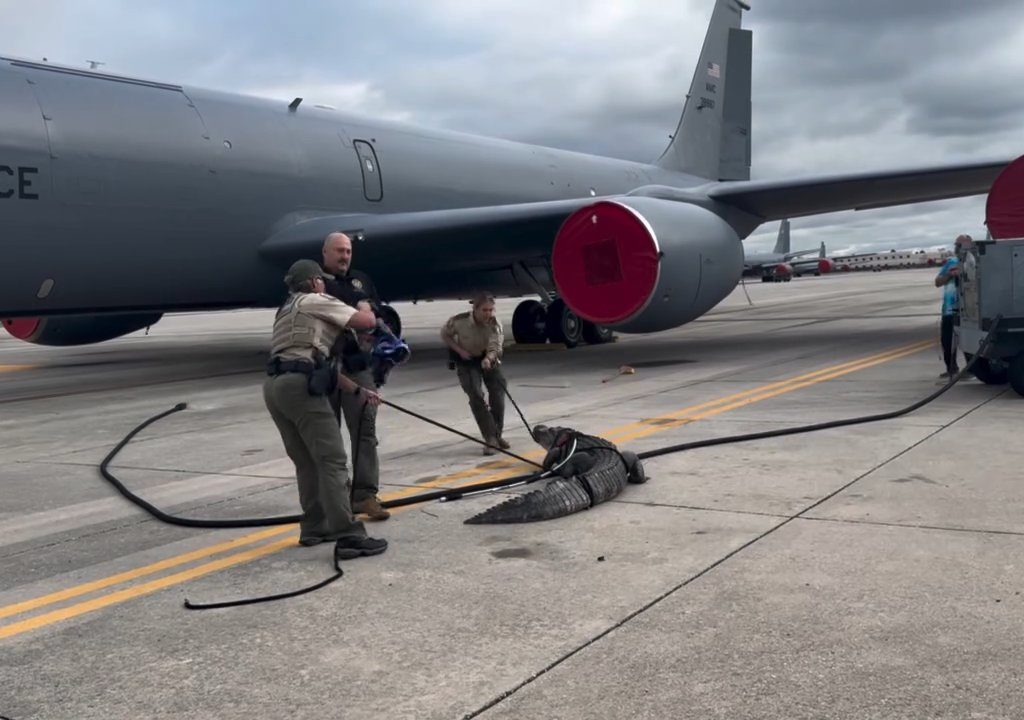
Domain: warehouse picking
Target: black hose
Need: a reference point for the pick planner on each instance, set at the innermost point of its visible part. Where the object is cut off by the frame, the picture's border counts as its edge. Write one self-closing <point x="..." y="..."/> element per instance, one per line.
<point x="454" y="494"/>
<point x="339" y="573"/>
<point x="800" y="429"/>
<point x="692" y="445"/>
<point x="175" y="519"/>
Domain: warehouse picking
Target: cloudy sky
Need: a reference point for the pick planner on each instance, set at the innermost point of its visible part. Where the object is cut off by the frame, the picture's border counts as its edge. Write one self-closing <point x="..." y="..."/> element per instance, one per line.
<point x="839" y="85"/>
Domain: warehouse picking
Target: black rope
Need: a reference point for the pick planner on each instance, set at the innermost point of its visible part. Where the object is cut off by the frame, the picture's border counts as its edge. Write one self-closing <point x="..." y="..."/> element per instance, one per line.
<point x="435" y="423"/>
<point x="504" y="386"/>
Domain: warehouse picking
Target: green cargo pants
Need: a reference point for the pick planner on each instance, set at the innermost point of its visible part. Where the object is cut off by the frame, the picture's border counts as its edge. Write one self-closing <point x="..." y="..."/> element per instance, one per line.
<point x="489" y="414"/>
<point x="311" y="439"/>
<point x="361" y="420"/>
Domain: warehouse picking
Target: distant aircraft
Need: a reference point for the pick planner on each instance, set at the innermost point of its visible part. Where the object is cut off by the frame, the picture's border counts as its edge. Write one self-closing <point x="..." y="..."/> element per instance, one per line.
<point x="122" y="199"/>
<point x="780" y="265"/>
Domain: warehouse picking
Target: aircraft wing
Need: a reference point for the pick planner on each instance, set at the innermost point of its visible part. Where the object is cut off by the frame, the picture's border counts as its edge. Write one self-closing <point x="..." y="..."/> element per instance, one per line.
<point x="779" y="199"/>
<point x="451" y="240"/>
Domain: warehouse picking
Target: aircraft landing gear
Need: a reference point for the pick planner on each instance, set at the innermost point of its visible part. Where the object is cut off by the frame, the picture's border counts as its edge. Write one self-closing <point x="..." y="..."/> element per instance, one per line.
<point x="529" y="323"/>
<point x="532" y="323"/>
<point x="563" y="325"/>
<point x="596" y="334"/>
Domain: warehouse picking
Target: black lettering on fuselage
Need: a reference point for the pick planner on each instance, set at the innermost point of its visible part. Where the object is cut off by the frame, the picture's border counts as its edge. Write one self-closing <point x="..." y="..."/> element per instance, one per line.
<point x="4" y="194"/>
<point x="24" y="183"/>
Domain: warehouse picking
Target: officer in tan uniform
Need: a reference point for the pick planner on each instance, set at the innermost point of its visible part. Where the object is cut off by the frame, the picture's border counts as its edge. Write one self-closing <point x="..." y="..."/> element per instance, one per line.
<point x="477" y="341"/>
<point x="305" y="328"/>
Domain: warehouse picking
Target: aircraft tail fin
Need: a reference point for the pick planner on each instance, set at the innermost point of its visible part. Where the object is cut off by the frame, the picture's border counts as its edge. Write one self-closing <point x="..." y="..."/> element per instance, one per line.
<point x="712" y="139"/>
<point x="782" y="242"/>
<point x="821" y="250"/>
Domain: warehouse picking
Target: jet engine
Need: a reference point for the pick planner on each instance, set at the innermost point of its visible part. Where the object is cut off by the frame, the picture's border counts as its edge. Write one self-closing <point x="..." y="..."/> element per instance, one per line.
<point x="77" y="329"/>
<point x="825" y="266"/>
<point x="642" y="264"/>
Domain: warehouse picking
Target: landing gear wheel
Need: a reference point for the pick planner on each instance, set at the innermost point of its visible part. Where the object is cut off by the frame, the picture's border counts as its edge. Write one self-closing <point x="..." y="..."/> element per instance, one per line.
<point x="596" y="334"/>
<point x="391" y="318"/>
<point x="563" y="325"/>
<point x="529" y="323"/>
<point x="988" y="372"/>
<point x="1017" y="374"/>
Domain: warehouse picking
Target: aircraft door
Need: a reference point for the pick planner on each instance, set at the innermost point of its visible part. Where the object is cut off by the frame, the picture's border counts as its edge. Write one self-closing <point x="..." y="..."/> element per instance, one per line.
<point x="373" y="189"/>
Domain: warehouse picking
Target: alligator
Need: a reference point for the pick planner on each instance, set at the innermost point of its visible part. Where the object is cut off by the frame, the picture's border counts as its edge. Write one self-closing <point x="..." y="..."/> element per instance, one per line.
<point x="587" y="470"/>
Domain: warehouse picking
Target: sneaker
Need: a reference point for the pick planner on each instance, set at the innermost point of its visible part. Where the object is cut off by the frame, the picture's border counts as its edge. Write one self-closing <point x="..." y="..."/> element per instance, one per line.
<point x="945" y="375"/>
<point x="489" y="448"/>
<point x="349" y="548"/>
<point x="370" y="507"/>
<point x="503" y="443"/>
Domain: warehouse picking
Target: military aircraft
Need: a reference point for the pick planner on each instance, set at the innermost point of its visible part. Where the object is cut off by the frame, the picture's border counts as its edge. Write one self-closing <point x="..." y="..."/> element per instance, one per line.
<point x="123" y="198"/>
<point x="781" y="264"/>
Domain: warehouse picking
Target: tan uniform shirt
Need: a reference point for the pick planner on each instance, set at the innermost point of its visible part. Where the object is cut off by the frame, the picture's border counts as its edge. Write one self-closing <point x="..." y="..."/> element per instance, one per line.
<point x="477" y="339"/>
<point x="308" y="321"/>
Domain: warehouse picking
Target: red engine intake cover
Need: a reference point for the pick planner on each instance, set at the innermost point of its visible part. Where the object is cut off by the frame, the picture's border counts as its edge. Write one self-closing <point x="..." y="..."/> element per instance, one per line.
<point x="22" y="328"/>
<point x="605" y="262"/>
<point x="824" y="266"/>
<point x="1004" y="209"/>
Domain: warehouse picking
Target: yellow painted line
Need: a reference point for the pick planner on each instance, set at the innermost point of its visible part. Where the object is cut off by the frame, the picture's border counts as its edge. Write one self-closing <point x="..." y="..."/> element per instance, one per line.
<point x="781" y="386"/>
<point x="106" y="582"/>
<point x="768" y="394"/>
<point x="507" y="468"/>
<point x="714" y="407"/>
<point x="16" y="368"/>
<point x="103" y="601"/>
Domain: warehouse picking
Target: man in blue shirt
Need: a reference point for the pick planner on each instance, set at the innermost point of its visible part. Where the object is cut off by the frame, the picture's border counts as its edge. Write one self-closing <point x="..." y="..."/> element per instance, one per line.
<point x="947" y="280"/>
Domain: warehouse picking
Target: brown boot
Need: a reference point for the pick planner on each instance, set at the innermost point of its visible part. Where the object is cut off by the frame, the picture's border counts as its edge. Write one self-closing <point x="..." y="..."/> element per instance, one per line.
<point x="370" y="507"/>
<point x="503" y="443"/>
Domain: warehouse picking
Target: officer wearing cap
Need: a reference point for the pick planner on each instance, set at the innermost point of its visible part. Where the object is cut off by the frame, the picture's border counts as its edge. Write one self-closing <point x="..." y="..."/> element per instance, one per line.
<point x="305" y="329"/>
<point x="355" y="288"/>
<point x="476" y="342"/>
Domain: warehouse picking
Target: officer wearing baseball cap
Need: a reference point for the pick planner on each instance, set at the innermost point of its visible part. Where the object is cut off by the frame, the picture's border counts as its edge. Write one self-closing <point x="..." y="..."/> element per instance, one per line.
<point x="295" y="393"/>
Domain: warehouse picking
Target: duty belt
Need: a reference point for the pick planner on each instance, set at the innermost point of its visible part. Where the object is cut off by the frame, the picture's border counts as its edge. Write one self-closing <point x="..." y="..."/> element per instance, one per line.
<point x="276" y="366"/>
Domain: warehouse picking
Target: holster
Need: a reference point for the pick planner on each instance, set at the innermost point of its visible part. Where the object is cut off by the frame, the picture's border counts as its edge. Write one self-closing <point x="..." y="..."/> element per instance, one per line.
<point x="454" y="360"/>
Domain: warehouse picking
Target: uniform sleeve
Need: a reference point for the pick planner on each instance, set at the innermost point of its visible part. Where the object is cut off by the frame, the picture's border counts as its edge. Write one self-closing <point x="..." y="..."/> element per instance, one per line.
<point x="448" y="329"/>
<point x="496" y="341"/>
<point x="328" y="309"/>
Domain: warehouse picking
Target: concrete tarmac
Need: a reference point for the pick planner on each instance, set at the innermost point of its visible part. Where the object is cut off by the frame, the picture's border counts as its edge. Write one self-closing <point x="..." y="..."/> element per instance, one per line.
<point x="872" y="571"/>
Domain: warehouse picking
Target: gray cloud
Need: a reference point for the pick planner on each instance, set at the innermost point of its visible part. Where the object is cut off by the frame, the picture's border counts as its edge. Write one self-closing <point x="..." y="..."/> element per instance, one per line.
<point x="838" y="86"/>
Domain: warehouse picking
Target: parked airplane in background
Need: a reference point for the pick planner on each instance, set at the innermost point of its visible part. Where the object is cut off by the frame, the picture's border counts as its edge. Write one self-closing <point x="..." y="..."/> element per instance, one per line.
<point x="780" y="265"/>
<point x="122" y="199"/>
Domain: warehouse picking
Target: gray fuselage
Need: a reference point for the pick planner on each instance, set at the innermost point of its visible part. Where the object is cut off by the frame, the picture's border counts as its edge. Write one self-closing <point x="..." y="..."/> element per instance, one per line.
<point x="119" y="194"/>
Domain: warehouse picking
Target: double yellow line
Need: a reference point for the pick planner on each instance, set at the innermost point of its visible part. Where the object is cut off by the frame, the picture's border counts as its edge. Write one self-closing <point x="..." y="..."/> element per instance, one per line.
<point x="487" y="471"/>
